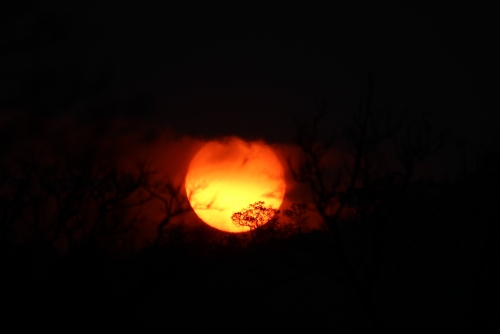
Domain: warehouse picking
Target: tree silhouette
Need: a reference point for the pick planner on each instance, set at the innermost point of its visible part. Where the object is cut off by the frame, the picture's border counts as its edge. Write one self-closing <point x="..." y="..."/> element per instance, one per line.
<point x="297" y="214"/>
<point x="174" y="204"/>
<point x="79" y="201"/>
<point x="72" y="204"/>
<point x="359" y="240"/>
<point x="254" y="217"/>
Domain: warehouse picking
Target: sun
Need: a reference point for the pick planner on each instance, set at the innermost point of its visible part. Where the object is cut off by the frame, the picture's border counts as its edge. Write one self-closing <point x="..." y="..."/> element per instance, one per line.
<point x="227" y="176"/>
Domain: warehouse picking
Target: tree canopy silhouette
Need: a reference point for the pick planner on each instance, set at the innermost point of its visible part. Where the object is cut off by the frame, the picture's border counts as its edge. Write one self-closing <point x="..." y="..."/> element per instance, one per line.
<point x="255" y="216"/>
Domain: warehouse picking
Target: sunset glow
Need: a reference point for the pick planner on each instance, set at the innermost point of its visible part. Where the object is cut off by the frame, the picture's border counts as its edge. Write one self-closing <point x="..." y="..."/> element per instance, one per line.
<point x="226" y="176"/>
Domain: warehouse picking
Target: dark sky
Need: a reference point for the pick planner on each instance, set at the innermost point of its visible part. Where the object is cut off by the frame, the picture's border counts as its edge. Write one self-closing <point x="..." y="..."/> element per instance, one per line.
<point x="209" y="73"/>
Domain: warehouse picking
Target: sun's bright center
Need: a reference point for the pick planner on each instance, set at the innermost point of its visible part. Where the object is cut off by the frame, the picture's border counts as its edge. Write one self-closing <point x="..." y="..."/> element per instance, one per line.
<point x="227" y="176"/>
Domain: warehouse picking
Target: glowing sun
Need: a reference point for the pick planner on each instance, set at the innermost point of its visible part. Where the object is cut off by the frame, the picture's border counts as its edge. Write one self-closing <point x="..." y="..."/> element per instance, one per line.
<point x="227" y="176"/>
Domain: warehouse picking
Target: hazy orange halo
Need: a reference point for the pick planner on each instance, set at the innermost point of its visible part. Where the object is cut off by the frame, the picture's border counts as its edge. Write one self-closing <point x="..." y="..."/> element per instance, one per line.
<point x="226" y="176"/>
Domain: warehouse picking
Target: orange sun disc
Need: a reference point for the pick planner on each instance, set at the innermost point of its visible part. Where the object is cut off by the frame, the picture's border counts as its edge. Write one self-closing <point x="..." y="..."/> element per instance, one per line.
<point x="227" y="176"/>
